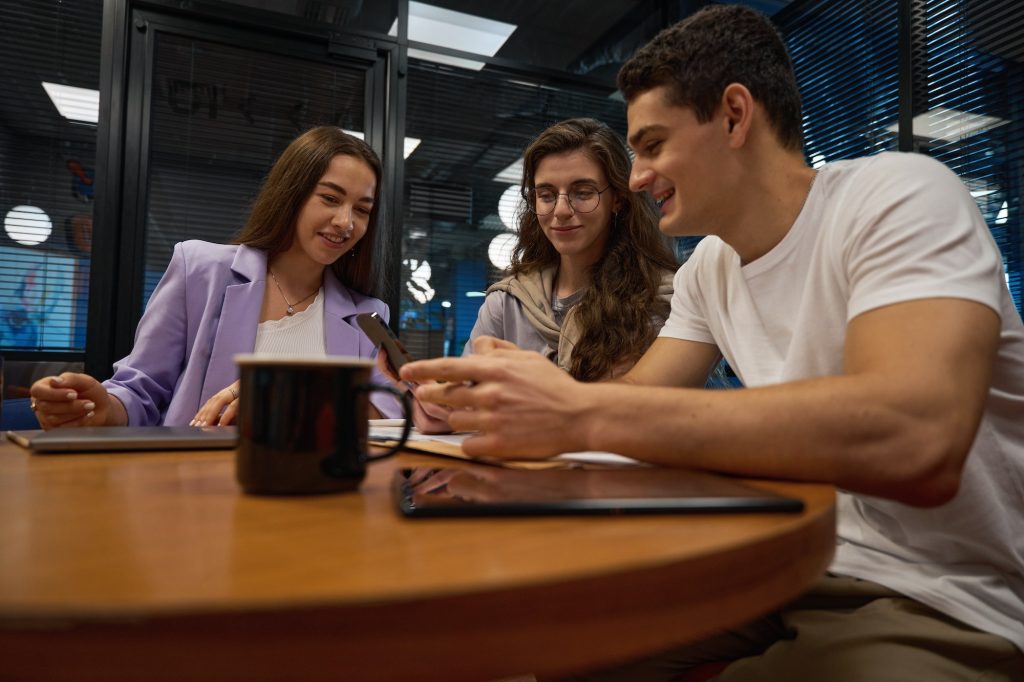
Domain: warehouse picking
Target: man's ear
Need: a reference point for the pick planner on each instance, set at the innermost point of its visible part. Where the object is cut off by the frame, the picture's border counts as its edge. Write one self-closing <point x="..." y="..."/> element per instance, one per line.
<point x="737" y="107"/>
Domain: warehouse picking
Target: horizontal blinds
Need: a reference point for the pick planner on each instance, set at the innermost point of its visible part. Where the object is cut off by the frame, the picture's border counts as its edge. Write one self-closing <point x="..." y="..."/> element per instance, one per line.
<point x="220" y="116"/>
<point x="846" y="61"/>
<point x="461" y="188"/>
<point x="969" y="108"/>
<point x="47" y="166"/>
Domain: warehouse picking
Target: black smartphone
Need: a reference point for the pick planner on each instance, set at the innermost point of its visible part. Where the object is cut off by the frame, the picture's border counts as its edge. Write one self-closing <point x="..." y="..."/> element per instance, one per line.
<point x="374" y="326"/>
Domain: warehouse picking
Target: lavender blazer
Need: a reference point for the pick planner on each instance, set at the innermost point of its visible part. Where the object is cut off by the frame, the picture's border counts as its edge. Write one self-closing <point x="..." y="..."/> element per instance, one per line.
<point x="205" y="310"/>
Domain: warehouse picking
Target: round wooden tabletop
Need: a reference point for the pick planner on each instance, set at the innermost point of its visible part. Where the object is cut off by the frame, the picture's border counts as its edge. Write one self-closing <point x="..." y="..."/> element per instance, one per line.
<point x="156" y="566"/>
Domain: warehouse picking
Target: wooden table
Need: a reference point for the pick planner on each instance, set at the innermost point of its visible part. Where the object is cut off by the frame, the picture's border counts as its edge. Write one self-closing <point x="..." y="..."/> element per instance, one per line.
<point x="154" y="566"/>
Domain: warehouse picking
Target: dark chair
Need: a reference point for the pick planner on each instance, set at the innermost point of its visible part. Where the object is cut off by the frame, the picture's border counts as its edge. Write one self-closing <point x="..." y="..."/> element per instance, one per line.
<point x="17" y="415"/>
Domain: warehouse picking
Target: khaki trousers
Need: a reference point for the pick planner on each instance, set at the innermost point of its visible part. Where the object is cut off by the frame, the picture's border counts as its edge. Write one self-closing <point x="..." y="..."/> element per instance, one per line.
<point x="843" y="630"/>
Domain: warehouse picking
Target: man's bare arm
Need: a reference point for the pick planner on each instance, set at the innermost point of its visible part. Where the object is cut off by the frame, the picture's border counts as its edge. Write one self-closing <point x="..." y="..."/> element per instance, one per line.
<point x="897" y="424"/>
<point x="673" y="362"/>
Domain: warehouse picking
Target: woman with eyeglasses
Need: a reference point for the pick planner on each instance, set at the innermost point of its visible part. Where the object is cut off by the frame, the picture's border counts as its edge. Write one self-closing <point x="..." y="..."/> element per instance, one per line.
<point x="591" y="274"/>
<point x="293" y="282"/>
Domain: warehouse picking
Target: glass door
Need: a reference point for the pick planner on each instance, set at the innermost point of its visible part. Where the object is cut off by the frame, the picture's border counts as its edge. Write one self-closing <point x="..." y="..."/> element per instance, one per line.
<point x="209" y="108"/>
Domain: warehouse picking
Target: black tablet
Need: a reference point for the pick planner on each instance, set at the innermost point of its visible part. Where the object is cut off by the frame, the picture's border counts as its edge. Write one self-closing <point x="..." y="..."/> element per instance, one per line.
<point x="495" y="491"/>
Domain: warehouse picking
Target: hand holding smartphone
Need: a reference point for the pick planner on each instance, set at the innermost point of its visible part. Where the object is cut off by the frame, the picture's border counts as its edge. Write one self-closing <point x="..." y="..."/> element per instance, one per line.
<point x="430" y="419"/>
<point x="380" y="333"/>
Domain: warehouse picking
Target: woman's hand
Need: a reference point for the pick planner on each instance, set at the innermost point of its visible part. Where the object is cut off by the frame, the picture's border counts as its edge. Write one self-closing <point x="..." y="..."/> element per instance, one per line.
<point x="70" y="399"/>
<point x="221" y="408"/>
<point x="430" y="418"/>
<point x="427" y="418"/>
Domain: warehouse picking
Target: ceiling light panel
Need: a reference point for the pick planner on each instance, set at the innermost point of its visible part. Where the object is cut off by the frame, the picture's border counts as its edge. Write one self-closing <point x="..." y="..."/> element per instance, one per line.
<point x="74" y="104"/>
<point x="458" y="30"/>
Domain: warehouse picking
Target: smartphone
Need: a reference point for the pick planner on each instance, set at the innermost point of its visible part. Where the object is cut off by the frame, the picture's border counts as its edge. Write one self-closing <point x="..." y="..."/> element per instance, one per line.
<point x="374" y="326"/>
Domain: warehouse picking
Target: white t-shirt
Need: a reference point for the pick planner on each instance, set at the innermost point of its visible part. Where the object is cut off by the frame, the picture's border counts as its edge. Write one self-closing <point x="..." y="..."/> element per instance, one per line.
<point x="877" y="231"/>
<point x="298" y="334"/>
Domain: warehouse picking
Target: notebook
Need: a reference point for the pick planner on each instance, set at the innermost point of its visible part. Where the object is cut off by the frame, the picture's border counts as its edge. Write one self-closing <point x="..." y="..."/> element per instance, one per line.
<point x="120" y="438"/>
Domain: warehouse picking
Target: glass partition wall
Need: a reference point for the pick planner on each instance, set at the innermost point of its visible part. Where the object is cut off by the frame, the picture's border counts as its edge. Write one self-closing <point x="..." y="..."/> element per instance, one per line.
<point x="48" y="121"/>
<point x="111" y="150"/>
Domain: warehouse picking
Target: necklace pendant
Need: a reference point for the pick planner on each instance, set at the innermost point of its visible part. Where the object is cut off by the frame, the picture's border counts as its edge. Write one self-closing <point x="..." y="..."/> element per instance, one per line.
<point x="290" y="311"/>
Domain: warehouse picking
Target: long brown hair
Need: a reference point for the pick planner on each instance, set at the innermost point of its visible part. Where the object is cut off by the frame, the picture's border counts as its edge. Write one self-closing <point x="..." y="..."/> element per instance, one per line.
<point x="271" y="223"/>
<point x="618" y="307"/>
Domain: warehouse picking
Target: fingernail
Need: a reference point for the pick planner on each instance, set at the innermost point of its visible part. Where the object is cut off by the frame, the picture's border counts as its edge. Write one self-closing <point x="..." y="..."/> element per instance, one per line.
<point x="90" y="406"/>
<point x="58" y="380"/>
<point x="72" y="395"/>
<point x="192" y="423"/>
<point x="90" y="415"/>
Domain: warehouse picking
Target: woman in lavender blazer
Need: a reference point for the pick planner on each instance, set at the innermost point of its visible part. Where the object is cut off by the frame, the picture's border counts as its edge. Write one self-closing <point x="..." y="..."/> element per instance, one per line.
<point x="301" y="270"/>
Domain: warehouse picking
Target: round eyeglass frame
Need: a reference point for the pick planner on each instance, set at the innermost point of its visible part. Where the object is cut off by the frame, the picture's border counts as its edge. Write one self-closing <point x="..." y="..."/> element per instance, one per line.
<point x="532" y="205"/>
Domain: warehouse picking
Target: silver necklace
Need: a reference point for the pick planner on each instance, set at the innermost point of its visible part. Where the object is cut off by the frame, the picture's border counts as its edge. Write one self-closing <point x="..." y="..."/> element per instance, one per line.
<point x="291" y="306"/>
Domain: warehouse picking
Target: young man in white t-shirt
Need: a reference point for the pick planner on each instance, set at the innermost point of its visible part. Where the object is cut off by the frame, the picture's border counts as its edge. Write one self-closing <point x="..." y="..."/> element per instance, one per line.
<point x="865" y="309"/>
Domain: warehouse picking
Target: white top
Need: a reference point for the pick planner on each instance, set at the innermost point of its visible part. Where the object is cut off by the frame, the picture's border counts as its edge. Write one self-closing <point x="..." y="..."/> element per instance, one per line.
<point x="298" y="334"/>
<point x="876" y="231"/>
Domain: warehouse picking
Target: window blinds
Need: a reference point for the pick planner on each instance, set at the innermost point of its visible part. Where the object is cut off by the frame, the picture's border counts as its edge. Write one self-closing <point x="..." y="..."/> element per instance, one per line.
<point x="846" y="62"/>
<point x="969" y="108"/>
<point x="47" y="166"/>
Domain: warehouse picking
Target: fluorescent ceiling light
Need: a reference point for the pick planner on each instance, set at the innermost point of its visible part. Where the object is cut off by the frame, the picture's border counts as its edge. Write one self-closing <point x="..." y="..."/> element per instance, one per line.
<point x="409" y="144"/>
<point x="458" y="30"/>
<point x="950" y="124"/>
<point x="536" y="86"/>
<point x="511" y="174"/>
<point x="74" y="104"/>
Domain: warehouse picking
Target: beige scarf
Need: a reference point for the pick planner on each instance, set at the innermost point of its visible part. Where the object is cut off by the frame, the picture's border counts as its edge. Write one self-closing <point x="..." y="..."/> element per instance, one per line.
<point x="534" y="291"/>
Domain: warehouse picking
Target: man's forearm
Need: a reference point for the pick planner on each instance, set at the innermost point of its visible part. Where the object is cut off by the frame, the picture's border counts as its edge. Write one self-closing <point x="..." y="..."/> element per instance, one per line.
<point x="841" y="430"/>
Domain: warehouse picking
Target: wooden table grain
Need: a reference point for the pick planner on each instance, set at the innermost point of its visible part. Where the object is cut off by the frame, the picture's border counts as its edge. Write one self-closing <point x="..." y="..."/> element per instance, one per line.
<point x="155" y="566"/>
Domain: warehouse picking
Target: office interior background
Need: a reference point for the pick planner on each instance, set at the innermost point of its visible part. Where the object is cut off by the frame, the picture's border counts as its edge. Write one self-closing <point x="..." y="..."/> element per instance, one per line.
<point x="129" y="125"/>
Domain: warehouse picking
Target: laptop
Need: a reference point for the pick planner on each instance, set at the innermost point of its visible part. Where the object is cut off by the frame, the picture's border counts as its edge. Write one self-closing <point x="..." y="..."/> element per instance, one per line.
<point x="120" y="438"/>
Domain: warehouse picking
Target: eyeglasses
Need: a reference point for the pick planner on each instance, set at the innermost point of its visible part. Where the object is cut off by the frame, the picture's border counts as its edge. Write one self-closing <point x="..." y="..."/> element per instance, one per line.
<point x="582" y="199"/>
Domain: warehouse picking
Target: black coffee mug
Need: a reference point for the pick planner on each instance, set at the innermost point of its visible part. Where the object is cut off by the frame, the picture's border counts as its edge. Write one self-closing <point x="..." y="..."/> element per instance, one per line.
<point x="302" y="424"/>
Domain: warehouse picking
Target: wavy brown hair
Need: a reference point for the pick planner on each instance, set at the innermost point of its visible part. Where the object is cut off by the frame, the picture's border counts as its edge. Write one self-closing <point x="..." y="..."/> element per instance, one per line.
<point x="293" y="178"/>
<point x="618" y="307"/>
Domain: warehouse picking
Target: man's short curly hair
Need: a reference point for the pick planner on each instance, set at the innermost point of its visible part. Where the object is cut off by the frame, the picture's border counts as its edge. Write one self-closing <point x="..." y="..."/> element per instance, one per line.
<point x="698" y="57"/>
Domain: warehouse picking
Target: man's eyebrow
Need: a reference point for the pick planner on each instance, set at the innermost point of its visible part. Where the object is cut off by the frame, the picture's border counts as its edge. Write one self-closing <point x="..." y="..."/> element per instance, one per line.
<point x="341" y="190"/>
<point x="636" y="138"/>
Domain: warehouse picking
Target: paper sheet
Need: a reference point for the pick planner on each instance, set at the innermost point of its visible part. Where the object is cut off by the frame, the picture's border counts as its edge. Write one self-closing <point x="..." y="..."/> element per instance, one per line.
<point x="450" y="445"/>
